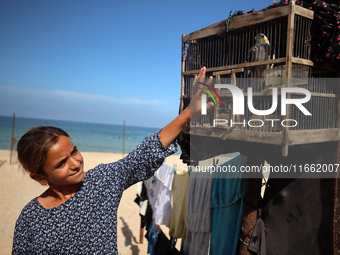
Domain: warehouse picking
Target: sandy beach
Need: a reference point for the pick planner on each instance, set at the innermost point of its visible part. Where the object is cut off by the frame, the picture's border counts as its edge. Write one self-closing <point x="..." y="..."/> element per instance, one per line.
<point x="17" y="189"/>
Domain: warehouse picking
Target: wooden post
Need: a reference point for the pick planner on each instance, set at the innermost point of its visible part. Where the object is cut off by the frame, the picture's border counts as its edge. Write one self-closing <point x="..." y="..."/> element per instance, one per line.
<point x="13" y="140"/>
<point x="218" y="81"/>
<point x="338" y="101"/>
<point x="123" y="138"/>
<point x="289" y="65"/>
<point x="182" y="75"/>
<point x="336" y="207"/>
<point x="141" y="232"/>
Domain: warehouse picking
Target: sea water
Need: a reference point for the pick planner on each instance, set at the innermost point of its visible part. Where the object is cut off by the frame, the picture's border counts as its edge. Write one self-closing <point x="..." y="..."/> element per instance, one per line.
<point x="88" y="137"/>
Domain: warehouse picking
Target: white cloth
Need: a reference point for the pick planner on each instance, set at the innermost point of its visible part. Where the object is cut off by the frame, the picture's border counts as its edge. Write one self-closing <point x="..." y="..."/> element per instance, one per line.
<point x="143" y="205"/>
<point x="159" y="193"/>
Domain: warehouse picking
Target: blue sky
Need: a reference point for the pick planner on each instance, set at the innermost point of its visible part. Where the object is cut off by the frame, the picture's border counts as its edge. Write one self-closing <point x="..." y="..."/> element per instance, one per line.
<point x="99" y="61"/>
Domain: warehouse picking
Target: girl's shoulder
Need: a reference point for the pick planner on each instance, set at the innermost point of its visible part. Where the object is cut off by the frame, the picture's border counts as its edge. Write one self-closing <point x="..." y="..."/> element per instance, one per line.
<point x="31" y="211"/>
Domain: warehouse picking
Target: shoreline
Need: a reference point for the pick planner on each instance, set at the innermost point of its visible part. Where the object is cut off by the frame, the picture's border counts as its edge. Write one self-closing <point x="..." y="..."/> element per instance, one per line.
<point x="17" y="189"/>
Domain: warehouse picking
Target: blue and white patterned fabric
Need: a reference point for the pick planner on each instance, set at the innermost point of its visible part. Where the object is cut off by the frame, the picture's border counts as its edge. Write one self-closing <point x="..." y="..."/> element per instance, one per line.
<point x="87" y="222"/>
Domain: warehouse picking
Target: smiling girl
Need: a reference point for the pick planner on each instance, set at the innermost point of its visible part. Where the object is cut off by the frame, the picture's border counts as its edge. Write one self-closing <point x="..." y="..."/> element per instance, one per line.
<point x="77" y="214"/>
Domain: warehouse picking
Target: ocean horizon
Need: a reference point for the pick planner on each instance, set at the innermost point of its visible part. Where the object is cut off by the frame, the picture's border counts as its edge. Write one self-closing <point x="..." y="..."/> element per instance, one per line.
<point x="88" y="137"/>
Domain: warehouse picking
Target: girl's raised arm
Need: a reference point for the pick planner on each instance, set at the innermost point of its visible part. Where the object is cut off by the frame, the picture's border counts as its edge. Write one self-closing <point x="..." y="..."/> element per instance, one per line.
<point x="172" y="130"/>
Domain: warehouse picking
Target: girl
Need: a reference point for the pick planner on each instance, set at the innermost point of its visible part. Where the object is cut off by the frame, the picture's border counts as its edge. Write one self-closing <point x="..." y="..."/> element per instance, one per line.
<point x="77" y="214"/>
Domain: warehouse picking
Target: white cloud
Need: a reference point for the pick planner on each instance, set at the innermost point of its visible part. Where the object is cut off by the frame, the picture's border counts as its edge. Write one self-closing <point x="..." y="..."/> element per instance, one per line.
<point x="75" y="96"/>
<point x="101" y="98"/>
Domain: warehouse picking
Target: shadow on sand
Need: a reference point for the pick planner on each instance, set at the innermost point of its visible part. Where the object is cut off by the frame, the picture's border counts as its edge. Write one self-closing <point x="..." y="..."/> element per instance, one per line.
<point x="130" y="239"/>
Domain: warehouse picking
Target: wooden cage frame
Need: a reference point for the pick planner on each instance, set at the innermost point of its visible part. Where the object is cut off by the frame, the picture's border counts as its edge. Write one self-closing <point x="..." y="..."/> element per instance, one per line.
<point x="287" y="137"/>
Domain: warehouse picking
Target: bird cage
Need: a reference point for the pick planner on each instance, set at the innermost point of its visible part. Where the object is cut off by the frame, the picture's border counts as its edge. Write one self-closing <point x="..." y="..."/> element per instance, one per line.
<point x="267" y="50"/>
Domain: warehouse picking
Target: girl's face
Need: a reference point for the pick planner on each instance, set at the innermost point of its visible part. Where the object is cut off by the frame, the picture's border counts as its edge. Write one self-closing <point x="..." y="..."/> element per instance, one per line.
<point x="64" y="164"/>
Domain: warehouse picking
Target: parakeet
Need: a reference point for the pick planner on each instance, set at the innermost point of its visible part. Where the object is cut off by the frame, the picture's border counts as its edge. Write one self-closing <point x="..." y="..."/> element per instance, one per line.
<point x="260" y="52"/>
<point x="262" y="49"/>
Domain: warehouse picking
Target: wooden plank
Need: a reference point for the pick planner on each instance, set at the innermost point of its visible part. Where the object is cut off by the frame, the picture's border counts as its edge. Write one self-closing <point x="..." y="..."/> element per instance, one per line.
<point x="301" y="11"/>
<point x="258" y="17"/>
<point x="259" y="137"/>
<point x="227" y="93"/>
<point x="238" y="135"/>
<point x="324" y="95"/>
<point x="245" y="20"/>
<point x="302" y="61"/>
<point x="214" y="29"/>
<point x="238" y="66"/>
<point x="296" y="137"/>
<point x="237" y="70"/>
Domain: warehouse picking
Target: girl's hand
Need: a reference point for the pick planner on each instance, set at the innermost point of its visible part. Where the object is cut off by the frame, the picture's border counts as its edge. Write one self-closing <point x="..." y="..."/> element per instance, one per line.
<point x="196" y="100"/>
<point x="169" y="133"/>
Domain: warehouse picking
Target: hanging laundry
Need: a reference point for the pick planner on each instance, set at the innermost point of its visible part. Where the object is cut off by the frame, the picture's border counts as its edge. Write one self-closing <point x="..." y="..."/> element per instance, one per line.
<point x="152" y="236"/>
<point x="226" y="214"/>
<point x="159" y="194"/>
<point x="198" y="218"/>
<point x="159" y="244"/>
<point x="142" y="198"/>
<point x="142" y="201"/>
<point x="179" y="209"/>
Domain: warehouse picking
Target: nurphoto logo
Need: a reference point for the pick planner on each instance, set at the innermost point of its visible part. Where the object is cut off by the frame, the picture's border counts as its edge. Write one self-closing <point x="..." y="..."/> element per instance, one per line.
<point x="238" y="105"/>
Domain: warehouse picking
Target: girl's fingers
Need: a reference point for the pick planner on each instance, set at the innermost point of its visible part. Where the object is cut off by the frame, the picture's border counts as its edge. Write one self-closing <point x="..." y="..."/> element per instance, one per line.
<point x="199" y="79"/>
<point x="201" y="75"/>
<point x="209" y="80"/>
